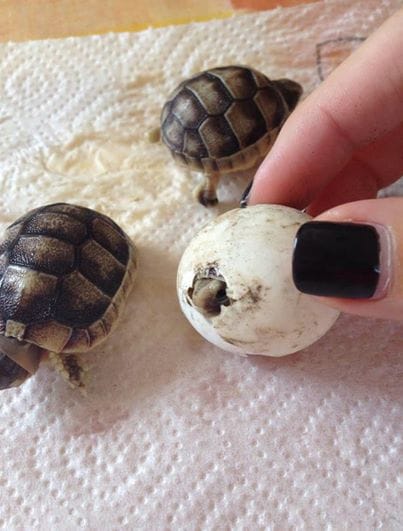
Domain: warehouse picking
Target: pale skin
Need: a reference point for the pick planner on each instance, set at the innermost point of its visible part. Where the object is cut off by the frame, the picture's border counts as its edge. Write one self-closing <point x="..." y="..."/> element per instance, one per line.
<point x="342" y="145"/>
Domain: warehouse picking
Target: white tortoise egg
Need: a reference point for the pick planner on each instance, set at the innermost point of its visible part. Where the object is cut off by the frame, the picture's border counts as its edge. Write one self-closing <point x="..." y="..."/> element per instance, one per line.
<point x="235" y="284"/>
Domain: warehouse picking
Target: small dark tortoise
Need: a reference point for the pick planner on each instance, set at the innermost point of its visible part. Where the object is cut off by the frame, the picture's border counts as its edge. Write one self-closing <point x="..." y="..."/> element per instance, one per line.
<point x="65" y="272"/>
<point x="224" y="120"/>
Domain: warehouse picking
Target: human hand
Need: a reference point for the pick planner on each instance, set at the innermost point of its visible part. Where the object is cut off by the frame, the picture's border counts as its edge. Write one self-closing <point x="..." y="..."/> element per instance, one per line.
<point x="337" y="149"/>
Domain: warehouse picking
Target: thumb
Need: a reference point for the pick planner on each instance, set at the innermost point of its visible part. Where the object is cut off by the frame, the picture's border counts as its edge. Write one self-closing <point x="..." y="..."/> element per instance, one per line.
<point x="352" y="258"/>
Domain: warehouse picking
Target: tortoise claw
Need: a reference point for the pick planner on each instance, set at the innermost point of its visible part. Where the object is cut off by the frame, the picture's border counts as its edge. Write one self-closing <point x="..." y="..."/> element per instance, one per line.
<point x="243" y="203"/>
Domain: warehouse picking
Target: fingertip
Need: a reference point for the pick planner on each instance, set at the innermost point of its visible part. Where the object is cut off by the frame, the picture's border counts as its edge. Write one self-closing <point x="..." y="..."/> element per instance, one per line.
<point x="351" y="257"/>
<point x="377" y="309"/>
<point x="335" y="121"/>
<point x="260" y="189"/>
<point x="271" y="185"/>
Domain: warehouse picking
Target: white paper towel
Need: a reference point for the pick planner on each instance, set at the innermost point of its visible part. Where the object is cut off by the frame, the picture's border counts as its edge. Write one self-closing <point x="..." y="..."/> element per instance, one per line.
<point x="175" y="434"/>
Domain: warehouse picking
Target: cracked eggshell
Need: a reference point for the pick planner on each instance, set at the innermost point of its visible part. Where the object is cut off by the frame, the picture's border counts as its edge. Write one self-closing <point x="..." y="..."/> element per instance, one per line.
<point x="251" y="250"/>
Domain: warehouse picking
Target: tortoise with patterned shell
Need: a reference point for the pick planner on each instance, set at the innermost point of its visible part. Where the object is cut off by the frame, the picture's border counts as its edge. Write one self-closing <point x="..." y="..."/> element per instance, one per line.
<point x="224" y="120"/>
<point x="65" y="272"/>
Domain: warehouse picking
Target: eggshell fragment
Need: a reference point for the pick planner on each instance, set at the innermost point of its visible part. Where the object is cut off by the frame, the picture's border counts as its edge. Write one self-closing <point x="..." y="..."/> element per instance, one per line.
<point x="235" y="284"/>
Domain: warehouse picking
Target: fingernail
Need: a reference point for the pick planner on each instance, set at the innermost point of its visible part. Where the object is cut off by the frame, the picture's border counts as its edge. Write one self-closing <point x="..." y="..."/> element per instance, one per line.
<point x="338" y="260"/>
<point x="245" y="196"/>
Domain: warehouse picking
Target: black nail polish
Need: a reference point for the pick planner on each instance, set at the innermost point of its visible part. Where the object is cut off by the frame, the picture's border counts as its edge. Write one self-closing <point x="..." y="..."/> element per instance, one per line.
<point x="337" y="259"/>
<point x="245" y="196"/>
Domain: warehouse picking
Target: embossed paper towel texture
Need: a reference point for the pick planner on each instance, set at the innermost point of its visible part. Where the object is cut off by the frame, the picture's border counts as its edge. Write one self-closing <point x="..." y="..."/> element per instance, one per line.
<point x="175" y="434"/>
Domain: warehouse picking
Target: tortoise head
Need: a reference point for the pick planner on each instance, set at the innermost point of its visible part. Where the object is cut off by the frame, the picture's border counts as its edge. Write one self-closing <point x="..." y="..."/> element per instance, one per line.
<point x="18" y="361"/>
<point x="291" y="91"/>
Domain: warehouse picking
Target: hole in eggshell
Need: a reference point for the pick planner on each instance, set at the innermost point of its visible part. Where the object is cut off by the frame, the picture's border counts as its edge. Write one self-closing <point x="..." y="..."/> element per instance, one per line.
<point x="208" y="294"/>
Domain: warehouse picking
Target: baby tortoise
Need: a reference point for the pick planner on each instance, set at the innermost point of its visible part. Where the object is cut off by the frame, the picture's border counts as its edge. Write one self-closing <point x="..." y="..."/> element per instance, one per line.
<point x="224" y="120"/>
<point x="65" y="272"/>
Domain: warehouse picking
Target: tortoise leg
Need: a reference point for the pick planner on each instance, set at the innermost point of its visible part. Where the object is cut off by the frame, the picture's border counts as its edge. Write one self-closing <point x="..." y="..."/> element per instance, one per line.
<point x="206" y="192"/>
<point x="68" y="367"/>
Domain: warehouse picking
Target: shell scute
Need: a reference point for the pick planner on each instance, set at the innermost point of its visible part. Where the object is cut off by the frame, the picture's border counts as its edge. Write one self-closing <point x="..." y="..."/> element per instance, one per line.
<point x="58" y="225"/>
<point x="219" y="137"/>
<point x="10" y="236"/>
<point x="253" y="122"/>
<point x="272" y="106"/>
<point x="3" y="264"/>
<point x="101" y="267"/>
<point x="79" y="341"/>
<point x="172" y="132"/>
<point x="211" y="93"/>
<point x="238" y="81"/>
<point x="188" y="110"/>
<point x="260" y="79"/>
<point x="194" y="146"/>
<point x="79" y="302"/>
<point x="113" y="240"/>
<point x="39" y="334"/>
<point x="27" y="296"/>
<point x="43" y="253"/>
<point x="78" y="212"/>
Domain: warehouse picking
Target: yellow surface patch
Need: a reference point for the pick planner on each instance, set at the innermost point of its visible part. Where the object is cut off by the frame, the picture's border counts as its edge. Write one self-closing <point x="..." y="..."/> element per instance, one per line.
<point x="24" y="20"/>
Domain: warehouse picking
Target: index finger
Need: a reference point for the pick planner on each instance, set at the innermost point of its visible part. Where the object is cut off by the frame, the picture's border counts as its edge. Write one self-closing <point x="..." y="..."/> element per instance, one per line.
<point x="360" y="102"/>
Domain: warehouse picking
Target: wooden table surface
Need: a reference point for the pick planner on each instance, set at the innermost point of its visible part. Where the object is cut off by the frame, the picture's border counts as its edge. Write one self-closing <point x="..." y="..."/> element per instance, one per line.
<point x="40" y="19"/>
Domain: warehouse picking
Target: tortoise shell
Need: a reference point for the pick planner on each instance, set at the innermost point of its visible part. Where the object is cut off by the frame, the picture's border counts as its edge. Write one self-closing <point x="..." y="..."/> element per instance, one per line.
<point x="65" y="271"/>
<point x="225" y="119"/>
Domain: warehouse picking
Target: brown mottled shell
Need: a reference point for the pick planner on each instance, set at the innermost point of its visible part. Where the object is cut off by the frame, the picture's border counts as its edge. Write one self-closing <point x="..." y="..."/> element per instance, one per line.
<point x="224" y="119"/>
<point x="65" y="271"/>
